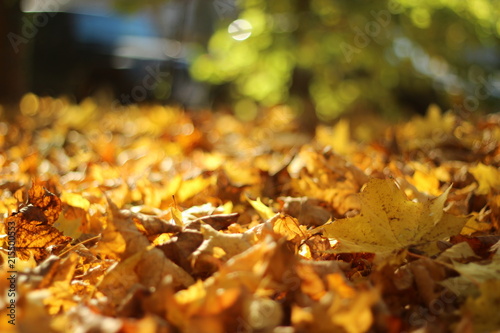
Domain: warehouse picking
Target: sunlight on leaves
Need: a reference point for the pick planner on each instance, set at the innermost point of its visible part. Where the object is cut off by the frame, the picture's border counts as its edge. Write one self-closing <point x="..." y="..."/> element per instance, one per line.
<point x="389" y="221"/>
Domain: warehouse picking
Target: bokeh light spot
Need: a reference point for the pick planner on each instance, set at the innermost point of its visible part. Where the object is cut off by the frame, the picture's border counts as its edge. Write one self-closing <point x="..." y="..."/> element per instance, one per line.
<point x="421" y="17"/>
<point x="29" y="104"/>
<point x="240" y="29"/>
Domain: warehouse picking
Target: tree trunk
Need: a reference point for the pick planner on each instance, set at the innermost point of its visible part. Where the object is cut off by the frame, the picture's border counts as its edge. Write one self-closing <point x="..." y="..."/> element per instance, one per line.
<point x="12" y="45"/>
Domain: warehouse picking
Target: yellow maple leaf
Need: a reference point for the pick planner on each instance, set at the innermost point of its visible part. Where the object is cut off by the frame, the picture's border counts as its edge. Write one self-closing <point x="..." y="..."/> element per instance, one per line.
<point x="487" y="176"/>
<point x="389" y="221"/>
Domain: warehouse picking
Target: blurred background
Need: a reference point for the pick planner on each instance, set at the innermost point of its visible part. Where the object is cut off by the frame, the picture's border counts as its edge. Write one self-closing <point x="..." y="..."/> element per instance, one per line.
<point x="323" y="58"/>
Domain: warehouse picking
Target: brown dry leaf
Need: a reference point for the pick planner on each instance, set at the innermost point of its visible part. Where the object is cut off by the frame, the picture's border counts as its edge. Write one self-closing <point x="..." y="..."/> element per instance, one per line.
<point x="389" y="221"/>
<point x="219" y="221"/>
<point x="151" y="225"/>
<point x="35" y="234"/>
<point x="147" y="268"/>
<point x="127" y="232"/>
<point x="231" y="244"/>
<point x="47" y="202"/>
<point x="121" y="238"/>
<point x="180" y="247"/>
<point x="308" y="211"/>
<point x="458" y="251"/>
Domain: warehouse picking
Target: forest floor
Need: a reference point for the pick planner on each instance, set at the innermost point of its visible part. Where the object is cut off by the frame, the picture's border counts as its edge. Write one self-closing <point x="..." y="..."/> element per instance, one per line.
<point x="152" y="219"/>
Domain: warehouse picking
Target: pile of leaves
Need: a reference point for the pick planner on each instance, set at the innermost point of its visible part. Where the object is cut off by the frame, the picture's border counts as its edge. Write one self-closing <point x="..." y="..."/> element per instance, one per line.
<point x="151" y="219"/>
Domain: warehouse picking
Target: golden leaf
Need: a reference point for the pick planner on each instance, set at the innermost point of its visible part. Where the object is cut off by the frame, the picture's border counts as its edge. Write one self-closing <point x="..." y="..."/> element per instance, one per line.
<point x="265" y="212"/>
<point x="288" y="227"/>
<point x="347" y="311"/>
<point x="75" y="200"/>
<point x="33" y="225"/>
<point x="389" y="221"/>
<point x="487" y="176"/>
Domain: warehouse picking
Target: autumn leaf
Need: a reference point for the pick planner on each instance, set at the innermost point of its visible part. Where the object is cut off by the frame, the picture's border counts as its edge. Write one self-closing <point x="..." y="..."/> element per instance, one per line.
<point x="487" y="176"/>
<point x="337" y="137"/>
<point x="148" y="268"/>
<point x="231" y="244"/>
<point x="35" y="234"/>
<point x="62" y="292"/>
<point x="309" y="212"/>
<point x="342" y="309"/>
<point x="288" y="227"/>
<point x="471" y="275"/>
<point x="121" y="238"/>
<point x="75" y="200"/>
<point x="389" y="221"/>
<point x="328" y="177"/>
<point x="211" y="305"/>
<point x="155" y="200"/>
<point x="139" y="261"/>
<point x="264" y="211"/>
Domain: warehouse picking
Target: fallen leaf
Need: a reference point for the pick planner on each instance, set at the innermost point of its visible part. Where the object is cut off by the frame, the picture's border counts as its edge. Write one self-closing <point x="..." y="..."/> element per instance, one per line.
<point x="33" y="225"/>
<point x="487" y="176"/>
<point x="471" y="275"/>
<point x="338" y="137"/>
<point x="264" y="211"/>
<point x="148" y="268"/>
<point x="165" y="238"/>
<point x="309" y="212"/>
<point x="457" y="252"/>
<point x="389" y="221"/>
<point x="342" y="309"/>
<point x="288" y="227"/>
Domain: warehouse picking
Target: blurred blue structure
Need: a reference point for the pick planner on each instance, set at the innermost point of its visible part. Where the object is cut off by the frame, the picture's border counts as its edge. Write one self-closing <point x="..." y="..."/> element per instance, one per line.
<point x="88" y="48"/>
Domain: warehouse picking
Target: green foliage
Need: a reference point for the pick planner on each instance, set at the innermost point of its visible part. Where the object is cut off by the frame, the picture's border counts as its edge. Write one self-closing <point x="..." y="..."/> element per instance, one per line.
<point x="351" y="54"/>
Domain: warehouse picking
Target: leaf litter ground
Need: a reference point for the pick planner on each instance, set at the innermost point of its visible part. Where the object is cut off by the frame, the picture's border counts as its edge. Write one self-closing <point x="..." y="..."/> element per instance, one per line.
<point x="151" y="219"/>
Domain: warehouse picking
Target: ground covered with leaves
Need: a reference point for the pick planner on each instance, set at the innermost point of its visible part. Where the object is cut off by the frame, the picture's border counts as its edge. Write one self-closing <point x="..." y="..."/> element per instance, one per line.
<point x="151" y="219"/>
